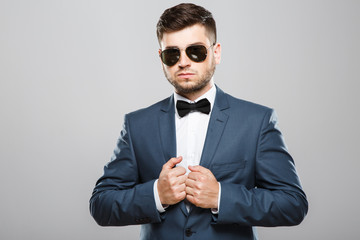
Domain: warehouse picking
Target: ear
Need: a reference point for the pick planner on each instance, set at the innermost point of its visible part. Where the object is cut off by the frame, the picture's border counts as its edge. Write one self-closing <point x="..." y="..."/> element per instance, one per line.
<point x="217" y="53"/>
<point x="160" y="58"/>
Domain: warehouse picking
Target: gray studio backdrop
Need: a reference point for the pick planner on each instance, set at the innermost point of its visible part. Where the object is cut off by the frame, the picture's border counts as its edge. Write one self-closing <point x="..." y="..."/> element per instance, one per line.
<point x="70" y="70"/>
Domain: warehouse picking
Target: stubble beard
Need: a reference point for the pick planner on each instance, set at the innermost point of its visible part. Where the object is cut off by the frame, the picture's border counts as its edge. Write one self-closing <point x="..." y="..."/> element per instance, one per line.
<point x="199" y="85"/>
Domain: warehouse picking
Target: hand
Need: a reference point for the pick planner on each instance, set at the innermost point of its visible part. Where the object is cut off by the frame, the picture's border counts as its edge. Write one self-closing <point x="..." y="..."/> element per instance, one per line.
<point x="202" y="188"/>
<point x="171" y="183"/>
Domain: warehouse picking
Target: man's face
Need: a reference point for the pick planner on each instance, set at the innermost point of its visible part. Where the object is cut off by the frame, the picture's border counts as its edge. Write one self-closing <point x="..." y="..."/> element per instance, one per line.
<point x="189" y="77"/>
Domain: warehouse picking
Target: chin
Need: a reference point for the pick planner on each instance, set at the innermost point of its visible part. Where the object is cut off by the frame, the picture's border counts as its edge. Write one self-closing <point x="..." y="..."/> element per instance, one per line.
<point x="189" y="88"/>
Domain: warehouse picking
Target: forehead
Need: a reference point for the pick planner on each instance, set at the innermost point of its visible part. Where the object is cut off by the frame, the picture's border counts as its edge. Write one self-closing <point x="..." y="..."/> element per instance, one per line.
<point x="185" y="37"/>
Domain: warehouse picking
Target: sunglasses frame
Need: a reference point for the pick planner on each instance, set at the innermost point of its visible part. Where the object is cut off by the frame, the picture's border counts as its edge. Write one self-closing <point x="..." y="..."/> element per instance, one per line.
<point x="180" y="50"/>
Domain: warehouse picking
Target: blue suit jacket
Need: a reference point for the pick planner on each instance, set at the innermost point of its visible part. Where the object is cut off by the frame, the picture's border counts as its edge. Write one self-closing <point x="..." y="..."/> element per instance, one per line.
<point x="245" y="151"/>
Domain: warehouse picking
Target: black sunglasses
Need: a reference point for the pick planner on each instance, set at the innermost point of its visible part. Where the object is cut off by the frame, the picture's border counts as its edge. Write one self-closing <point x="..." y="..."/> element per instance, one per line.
<point x="196" y="53"/>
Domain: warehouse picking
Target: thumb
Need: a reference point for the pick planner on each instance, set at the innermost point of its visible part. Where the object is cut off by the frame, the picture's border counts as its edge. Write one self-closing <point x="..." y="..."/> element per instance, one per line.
<point x="198" y="168"/>
<point x="172" y="162"/>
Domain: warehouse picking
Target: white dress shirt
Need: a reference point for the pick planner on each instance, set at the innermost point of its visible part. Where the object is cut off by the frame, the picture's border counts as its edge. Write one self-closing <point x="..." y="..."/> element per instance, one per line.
<point x="190" y="138"/>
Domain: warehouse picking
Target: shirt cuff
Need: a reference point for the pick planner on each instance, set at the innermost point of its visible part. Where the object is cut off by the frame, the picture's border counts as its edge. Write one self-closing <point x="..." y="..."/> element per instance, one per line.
<point x="159" y="206"/>
<point x="216" y="210"/>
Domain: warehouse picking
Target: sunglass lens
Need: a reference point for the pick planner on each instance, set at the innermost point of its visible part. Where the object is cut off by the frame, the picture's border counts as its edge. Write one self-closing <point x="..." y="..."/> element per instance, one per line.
<point x="196" y="53"/>
<point x="170" y="56"/>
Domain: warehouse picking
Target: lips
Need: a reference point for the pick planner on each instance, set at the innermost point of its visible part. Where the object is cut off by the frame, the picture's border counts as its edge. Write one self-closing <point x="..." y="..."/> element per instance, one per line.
<point x="185" y="75"/>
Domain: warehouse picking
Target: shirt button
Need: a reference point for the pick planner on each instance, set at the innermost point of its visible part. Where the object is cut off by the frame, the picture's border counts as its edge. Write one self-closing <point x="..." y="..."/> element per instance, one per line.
<point x="188" y="232"/>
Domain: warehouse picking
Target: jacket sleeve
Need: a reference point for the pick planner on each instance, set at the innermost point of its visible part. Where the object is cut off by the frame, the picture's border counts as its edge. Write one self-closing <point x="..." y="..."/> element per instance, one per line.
<point x="277" y="199"/>
<point x="119" y="198"/>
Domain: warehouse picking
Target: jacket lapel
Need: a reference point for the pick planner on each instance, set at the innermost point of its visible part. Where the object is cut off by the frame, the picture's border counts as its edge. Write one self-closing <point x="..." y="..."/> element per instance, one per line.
<point x="217" y="123"/>
<point x="168" y="135"/>
<point x="167" y="128"/>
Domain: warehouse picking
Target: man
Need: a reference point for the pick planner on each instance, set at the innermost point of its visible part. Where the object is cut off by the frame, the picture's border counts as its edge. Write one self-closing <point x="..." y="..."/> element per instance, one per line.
<point x="200" y="164"/>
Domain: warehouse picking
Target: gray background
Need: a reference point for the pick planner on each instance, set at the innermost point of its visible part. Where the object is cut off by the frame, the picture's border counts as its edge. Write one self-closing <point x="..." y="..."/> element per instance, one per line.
<point x="70" y="70"/>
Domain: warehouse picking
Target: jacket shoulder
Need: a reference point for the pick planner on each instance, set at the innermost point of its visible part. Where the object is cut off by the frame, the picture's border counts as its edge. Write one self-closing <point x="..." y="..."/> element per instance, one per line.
<point x="247" y="106"/>
<point x="148" y="112"/>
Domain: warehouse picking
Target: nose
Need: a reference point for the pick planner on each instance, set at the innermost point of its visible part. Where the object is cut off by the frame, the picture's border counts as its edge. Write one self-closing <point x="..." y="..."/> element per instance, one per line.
<point x="184" y="61"/>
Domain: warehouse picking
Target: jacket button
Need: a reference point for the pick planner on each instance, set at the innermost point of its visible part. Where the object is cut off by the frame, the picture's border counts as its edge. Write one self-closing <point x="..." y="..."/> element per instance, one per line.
<point x="188" y="232"/>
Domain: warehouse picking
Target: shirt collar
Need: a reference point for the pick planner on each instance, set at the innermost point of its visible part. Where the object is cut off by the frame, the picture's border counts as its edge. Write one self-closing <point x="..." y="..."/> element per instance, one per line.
<point x="210" y="95"/>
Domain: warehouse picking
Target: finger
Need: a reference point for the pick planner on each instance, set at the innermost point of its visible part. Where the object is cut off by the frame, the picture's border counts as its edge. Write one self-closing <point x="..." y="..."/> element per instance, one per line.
<point x="178" y="171"/>
<point x="190" y="183"/>
<point x="191" y="199"/>
<point x="182" y="179"/>
<point x="189" y="191"/>
<point x="177" y="181"/>
<point x="172" y="163"/>
<point x="182" y="187"/>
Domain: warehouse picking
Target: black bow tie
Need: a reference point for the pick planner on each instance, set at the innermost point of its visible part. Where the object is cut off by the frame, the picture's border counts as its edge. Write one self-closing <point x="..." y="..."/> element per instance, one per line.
<point x="184" y="108"/>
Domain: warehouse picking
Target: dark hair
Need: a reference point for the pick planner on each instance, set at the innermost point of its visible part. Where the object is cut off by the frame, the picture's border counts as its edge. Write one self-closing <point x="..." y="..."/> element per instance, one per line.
<point x="186" y="15"/>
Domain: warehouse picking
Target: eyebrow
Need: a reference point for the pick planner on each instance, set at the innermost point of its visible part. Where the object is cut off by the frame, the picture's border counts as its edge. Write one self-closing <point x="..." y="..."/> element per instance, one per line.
<point x="192" y="44"/>
<point x="197" y="43"/>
